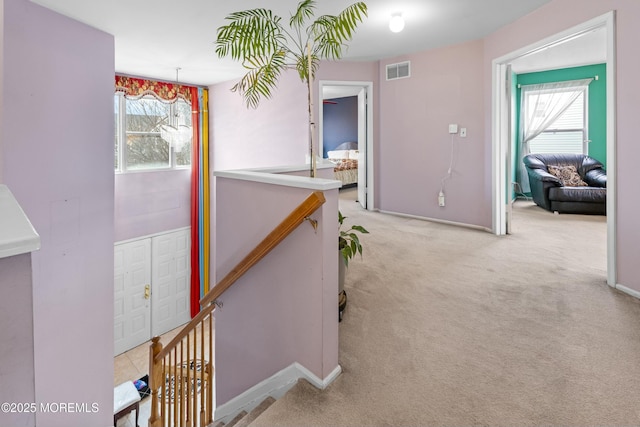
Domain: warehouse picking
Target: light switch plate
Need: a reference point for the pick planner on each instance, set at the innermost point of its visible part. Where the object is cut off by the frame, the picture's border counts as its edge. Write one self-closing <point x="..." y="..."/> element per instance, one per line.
<point x="463" y="132"/>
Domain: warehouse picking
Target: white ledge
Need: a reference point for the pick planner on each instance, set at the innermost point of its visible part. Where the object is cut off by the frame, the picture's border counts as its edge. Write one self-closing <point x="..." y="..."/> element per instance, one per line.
<point x="320" y="184"/>
<point x="17" y="235"/>
<point x="278" y="176"/>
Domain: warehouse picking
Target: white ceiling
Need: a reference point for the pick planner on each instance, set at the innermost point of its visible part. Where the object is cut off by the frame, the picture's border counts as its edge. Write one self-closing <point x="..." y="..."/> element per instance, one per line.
<point x="154" y="37"/>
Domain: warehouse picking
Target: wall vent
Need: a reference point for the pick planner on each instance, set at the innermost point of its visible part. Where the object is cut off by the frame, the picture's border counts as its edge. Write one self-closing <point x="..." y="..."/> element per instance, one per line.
<point x="401" y="70"/>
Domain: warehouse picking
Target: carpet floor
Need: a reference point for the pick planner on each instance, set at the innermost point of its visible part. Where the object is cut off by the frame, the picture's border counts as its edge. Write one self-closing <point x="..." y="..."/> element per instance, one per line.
<point x="451" y="326"/>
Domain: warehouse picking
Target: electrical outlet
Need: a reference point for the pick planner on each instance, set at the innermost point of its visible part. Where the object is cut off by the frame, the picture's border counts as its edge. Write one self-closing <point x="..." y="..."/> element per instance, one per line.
<point x="441" y="199"/>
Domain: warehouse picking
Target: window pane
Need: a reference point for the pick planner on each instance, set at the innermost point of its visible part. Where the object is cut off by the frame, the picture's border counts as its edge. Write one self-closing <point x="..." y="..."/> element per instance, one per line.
<point x="183" y="157"/>
<point x="557" y="142"/>
<point x="573" y="117"/>
<point x="145" y="151"/>
<point x="146" y="115"/>
<point x="183" y="113"/>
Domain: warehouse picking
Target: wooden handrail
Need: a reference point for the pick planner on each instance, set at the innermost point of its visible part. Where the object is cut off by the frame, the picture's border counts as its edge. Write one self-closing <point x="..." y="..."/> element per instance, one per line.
<point x="295" y="218"/>
<point x="168" y="362"/>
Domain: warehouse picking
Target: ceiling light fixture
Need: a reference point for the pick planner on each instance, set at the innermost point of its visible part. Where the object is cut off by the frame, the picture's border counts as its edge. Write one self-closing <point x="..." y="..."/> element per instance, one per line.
<point x="396" y="24"/>
<point x="177" y="136"/>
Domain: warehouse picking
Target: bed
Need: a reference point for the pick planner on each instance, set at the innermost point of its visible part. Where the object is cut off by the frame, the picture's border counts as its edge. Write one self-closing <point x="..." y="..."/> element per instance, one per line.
<point x="345" y="159"/>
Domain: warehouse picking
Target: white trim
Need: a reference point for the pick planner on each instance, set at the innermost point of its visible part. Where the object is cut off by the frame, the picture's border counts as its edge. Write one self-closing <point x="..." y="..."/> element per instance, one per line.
<point x="147" y="236"/>
<point x="279" y="179"/>
<point x="500" y="140"/>
<point x="321" y="164"/>
<point x="275" y="386"/>
<point x="612" y="168"/>
<point x="370" y="140"/>
<point x="17" y="234"/>
<point x="439" y="221"/>
<point x="628" y="291"/>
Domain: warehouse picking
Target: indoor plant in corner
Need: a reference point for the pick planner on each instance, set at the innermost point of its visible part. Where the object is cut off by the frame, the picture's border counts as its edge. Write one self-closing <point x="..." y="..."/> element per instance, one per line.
<point x="348" y="246"/>
<point x="266" y="47"/>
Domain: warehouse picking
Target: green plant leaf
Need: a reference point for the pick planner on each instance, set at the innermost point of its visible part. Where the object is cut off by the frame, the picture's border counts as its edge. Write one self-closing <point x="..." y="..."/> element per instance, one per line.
<point x="360" y="229"/>
<point x="303" y="12"/>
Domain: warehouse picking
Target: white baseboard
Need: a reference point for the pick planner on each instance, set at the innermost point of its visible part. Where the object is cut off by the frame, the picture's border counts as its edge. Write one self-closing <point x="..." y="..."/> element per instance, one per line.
<point x="628" y="291"/>
<point x="275" y="386"/>
<point x="439" y="221"/>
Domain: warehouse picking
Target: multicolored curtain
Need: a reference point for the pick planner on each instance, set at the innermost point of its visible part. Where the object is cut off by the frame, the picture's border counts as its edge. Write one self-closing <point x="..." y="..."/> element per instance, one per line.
<point x="137" y="88"/>
<point x="200" y="215"/>
<point x="200" y="201"/>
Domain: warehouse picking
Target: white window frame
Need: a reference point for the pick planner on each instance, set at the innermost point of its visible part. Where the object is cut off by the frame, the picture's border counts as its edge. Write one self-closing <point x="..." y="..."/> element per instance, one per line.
<point x="584" y="129"/>
<point x="121" y="137"/>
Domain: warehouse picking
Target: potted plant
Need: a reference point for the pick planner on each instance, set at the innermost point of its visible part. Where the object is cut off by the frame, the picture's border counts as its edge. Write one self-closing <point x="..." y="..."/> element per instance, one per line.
<point x="348" y="246"/>
<point x="266" y="47"/>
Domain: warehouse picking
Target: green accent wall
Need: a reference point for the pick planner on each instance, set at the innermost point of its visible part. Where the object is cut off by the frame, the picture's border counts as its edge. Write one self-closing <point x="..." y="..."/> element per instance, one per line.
<point x="597" y="102"/>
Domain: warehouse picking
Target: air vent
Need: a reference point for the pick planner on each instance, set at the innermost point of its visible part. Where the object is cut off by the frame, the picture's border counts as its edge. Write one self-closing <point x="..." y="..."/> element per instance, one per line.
<point x="401" y="70"/>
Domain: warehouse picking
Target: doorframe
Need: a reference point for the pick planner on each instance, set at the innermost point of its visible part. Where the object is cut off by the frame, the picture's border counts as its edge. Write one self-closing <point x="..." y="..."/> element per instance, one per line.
<point x="369" y="156"/>
<point x="501" y="140"/>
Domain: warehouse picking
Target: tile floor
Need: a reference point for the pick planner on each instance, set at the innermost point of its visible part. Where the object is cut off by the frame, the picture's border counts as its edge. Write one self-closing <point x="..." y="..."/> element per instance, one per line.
<point x="134" y="364"/>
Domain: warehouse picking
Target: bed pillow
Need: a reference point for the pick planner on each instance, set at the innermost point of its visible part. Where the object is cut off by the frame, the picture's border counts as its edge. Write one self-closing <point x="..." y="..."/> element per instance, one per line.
<point x="353" y="154"/>
<point x="568" y="175"/>
<point x="338" y="154"/>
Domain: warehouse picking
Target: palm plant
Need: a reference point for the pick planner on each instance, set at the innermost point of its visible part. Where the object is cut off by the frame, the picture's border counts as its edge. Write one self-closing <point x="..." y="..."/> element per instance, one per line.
<point x="266" y="48"/>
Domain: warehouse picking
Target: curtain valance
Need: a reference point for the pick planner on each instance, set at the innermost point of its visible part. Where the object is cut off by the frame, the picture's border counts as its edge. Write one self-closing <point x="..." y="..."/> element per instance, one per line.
<point x="137" y="88"/>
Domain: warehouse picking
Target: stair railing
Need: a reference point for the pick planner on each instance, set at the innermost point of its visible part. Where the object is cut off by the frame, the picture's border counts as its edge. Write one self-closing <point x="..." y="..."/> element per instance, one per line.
<point x="181" y="372"/>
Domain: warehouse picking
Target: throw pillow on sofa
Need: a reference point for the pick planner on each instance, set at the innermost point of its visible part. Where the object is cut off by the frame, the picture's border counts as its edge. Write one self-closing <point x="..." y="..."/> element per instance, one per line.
<point x="568" y="175"/>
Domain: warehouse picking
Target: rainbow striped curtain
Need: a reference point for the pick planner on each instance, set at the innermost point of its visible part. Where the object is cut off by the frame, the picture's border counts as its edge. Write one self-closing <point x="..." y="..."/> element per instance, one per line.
<point x="200" y="207"/>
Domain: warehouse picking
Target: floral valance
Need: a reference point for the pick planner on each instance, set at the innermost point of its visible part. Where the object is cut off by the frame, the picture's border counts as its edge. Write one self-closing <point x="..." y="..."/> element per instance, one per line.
<point x="136" y="88"/>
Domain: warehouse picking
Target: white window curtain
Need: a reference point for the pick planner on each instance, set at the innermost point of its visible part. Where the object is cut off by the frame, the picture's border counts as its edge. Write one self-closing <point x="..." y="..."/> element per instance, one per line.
<point x="541" y="106"/>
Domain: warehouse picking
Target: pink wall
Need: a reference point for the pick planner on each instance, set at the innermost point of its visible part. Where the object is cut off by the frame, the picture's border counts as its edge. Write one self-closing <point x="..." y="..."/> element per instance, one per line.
<point x="446" y="86"/>
<point x="151" y="202"/>
<point x="283" y="310"/>
<point x="16" y="336"/>
<point x="57" y="133"/>
<point x="274" y="134"/>
<point x="557" y="16"/>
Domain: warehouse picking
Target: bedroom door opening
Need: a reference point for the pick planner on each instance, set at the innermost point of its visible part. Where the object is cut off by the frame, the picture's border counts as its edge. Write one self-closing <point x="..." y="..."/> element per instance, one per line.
<point x="503" y="137"/>
<point x="361" y="94"/>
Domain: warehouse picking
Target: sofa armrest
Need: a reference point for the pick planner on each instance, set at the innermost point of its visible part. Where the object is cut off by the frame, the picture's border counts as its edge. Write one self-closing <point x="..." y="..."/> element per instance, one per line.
<point x="544" y="176"/>
<point x="540" y="182"/>
<point x="596" y="178"/>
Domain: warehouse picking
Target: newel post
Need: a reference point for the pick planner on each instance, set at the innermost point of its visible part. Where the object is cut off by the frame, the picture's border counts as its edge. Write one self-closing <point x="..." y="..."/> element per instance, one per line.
<point x="155" y="381"/>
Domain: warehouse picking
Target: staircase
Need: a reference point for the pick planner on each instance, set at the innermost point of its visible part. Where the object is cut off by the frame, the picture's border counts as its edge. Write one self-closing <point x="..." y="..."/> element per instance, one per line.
<point x="244" y="419"/>
<point x="181" y="372"/>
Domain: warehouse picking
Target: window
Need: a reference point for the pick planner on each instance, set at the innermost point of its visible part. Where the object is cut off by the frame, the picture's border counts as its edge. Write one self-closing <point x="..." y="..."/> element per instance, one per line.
<point x="568" y="133"/>
<point x="139" y="142"/>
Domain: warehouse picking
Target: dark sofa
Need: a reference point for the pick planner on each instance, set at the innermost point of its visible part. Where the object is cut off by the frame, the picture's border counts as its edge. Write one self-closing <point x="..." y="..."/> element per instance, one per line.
<point x="557" y="195"/>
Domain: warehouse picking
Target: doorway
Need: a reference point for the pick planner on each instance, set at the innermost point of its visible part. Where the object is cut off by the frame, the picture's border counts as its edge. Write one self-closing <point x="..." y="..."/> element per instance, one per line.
<point x="364" y="93"/>
<point x="502" y="132"/>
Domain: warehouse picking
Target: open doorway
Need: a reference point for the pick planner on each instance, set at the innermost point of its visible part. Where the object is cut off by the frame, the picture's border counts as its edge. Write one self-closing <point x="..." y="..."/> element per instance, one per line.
<point x="503" y="122"/>
<point x="352" y="149"/>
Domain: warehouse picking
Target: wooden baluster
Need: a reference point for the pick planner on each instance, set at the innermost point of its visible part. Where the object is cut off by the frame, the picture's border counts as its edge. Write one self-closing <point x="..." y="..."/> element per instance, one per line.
<point x="175" y="386"/>
<point x="202" y="377"/>
<point x="163" y="407"/>
<point x="188" y="397"/>
<point x="155" y="380"/>
<point x="210" y="374"/>
<point x="182" y="386"/>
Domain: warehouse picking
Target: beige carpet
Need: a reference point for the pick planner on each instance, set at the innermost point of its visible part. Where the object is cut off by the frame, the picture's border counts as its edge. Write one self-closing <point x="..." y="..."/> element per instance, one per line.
<point x="449" y="326"/>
